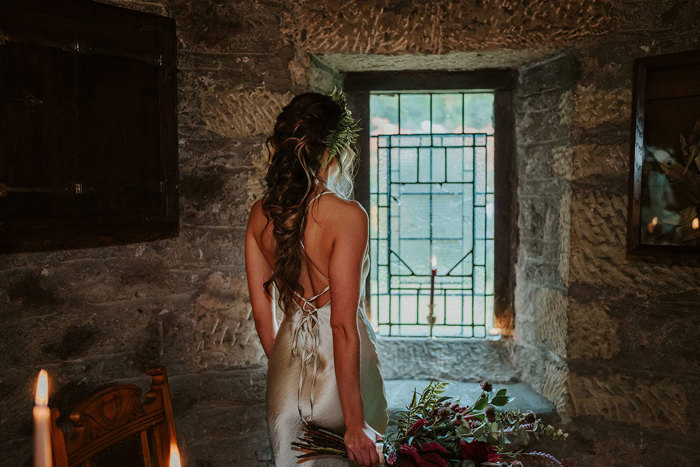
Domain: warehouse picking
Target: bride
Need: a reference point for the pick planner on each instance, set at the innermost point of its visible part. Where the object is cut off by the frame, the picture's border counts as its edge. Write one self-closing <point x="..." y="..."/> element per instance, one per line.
<point x="307" y="253"/>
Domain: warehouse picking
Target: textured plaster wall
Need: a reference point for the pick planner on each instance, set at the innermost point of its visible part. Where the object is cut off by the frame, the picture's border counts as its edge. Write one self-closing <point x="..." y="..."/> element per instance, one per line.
<point x="610" y="341"/>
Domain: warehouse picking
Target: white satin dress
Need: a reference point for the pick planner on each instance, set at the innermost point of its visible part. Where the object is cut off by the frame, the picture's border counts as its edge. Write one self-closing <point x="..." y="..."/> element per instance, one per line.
<point x="301" y="384"/>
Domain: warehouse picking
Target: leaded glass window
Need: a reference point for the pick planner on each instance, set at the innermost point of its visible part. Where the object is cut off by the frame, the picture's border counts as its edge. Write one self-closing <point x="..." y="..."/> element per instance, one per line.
<point x="432" y="194"/>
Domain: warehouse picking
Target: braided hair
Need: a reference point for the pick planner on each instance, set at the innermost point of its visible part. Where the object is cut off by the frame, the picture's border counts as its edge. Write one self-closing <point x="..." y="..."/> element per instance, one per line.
<point x="296" y="149"/>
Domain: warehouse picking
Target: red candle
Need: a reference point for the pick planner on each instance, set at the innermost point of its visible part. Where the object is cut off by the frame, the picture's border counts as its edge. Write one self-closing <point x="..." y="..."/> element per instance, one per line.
<point x="433" y="271"/>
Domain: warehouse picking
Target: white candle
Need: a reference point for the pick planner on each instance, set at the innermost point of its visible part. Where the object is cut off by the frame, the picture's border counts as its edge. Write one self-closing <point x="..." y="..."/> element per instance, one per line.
<point x="174" y="456"/>
<point x="494" y="334"/>
<point x="42" y="420"/>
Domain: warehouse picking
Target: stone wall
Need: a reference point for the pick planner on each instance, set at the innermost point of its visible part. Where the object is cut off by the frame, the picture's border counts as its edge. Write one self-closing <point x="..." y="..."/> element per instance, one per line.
<point x="543" y="132"/>
<point x="612" y="342"/>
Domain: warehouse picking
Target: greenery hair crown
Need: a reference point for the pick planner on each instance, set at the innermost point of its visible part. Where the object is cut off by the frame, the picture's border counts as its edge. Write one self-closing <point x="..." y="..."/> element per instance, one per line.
<point x="346" y="134"/>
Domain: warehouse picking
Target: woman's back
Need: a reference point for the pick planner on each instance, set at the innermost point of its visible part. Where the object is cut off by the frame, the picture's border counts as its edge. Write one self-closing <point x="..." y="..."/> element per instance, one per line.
<point x="326" y="215"/>
<point x="320" y="287"/>
<point x="301" y="379"/>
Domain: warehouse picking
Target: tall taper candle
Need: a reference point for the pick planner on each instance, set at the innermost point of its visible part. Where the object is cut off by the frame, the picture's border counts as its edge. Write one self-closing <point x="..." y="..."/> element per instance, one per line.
<point x="42" y="417"/>
<point x="174" y="456"/>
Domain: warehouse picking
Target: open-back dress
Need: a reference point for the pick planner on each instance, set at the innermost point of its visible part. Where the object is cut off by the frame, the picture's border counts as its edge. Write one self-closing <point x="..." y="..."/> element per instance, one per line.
<point x="301" y="384"/>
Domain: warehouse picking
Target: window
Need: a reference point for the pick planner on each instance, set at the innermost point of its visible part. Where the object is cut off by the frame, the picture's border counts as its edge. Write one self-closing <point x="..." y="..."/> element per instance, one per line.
<point x="432" y="195"/>
<point x="435" y="188"/>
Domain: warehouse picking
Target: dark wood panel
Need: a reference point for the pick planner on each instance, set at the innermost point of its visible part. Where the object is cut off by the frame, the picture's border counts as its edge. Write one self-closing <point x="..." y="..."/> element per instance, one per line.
<point x="88" y="125"/>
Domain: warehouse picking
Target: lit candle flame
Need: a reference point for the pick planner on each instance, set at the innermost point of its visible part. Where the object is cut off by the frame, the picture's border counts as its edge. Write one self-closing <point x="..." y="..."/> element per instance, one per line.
<point x="42" y="389"/>
<point x="696" y="224"/>
<point x="174" y="456"/>
<point x="494" y="334"/>
<point x="653" y="224"/>
<point x="433" y="262"/>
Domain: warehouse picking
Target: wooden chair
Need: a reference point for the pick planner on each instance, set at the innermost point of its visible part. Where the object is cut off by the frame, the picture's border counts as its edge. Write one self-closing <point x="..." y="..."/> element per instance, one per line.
<point x="115" y="427"/>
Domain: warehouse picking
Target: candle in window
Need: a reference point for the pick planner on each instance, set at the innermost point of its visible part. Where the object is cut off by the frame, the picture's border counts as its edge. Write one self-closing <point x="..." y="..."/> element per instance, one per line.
<point x="433" y="271"/>
<point x="494" y="334"/>
<point x="174" y="456"/>
<point x="42" y="417"/>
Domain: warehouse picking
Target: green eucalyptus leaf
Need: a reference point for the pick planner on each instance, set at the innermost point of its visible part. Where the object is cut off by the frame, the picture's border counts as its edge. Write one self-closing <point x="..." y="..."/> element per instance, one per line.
<point x="500" y="400"/>
<point x="481" y="402"/>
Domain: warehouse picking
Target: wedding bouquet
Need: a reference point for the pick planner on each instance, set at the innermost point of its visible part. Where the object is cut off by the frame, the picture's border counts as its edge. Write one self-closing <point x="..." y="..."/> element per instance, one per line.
<point x="435" y="430"/>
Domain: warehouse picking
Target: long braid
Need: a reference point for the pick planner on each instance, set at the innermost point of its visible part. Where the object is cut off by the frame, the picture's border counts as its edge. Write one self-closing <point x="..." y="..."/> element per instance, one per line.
<point x="296" y="148"/>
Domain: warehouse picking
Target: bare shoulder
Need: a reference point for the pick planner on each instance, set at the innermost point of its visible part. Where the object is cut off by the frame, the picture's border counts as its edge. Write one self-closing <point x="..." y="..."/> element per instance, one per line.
<point x="256" y="219"/>
<point x="346" y="216"/>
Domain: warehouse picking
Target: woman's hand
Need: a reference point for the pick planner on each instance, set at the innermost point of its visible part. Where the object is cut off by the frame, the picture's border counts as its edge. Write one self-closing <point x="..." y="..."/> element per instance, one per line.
<point x="361" y="445"/>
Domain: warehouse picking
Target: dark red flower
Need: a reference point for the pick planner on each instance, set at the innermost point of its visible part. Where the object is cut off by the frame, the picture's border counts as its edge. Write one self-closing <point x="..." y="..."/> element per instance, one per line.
<point x="443" y="412"/>
<point x="423" y="458"/>
<point x="431" y="459"/>
<point x="433" y="446"/>
<point x="391" y="460"/>
<point x="410" y="451"/>
<point x="478" y="451"/>
<point x="417" y="425"/>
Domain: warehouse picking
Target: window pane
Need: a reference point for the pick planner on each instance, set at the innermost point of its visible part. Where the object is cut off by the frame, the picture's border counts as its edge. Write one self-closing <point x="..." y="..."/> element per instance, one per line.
<point x="432" y="193"/>
<point x="447" y="113"/>
<point x="385" y="114"/>
<point x="478" y="113"/>
<point x="414" y="113"/>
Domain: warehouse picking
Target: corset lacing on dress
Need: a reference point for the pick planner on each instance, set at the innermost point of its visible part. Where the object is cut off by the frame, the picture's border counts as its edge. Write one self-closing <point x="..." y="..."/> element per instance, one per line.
<point x="306" y="337"/>
<point x="306" y="330"/>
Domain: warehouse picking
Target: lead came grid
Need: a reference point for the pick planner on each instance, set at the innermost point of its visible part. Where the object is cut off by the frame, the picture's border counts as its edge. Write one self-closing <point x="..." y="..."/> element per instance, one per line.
<point x="432" y="194"/>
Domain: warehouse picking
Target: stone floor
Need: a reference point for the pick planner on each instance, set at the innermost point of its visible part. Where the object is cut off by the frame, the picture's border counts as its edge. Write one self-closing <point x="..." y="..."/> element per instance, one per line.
<point x="400" y="391"/>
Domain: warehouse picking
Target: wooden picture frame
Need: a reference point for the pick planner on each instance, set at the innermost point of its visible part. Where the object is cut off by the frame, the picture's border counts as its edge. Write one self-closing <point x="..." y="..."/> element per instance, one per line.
<point x="664" y="179"/>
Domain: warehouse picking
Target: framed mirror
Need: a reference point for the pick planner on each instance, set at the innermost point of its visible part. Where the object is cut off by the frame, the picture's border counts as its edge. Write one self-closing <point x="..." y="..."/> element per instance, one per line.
<point x="664" y="188"/>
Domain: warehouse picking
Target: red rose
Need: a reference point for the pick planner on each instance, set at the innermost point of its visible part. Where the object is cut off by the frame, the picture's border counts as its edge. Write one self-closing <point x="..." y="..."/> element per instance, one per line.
<point x="478" y="451"/>
<point x="391" y="460"/>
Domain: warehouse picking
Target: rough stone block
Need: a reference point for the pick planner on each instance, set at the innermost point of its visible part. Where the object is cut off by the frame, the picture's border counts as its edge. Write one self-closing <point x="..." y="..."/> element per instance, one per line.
<point x="625" y="398"/>
<point x="592" y="333"/>
<point x="594" y="107"/>
<point x="235" y="27"/>
<point x="541" y="320"/>
<point x="461" y="359"/>
<point x="237" y="112"/>
<point x="591" y="161"/>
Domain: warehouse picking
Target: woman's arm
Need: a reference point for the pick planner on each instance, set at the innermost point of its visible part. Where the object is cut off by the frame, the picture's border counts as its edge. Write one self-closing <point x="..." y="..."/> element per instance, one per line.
<point x="258" y="271"/>
<point x="345" y="273"/>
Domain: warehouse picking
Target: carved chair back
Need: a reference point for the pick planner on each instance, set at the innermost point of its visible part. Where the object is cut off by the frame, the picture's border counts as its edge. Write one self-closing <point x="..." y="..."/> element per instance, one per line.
<point x="115" y="427"/>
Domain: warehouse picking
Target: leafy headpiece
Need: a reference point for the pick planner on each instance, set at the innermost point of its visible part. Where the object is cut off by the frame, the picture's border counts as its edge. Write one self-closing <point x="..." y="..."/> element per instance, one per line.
<point x="345" y="135"/>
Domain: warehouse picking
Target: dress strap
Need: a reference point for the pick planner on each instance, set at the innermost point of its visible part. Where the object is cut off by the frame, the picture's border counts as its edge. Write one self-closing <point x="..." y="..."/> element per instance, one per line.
<point x="307" y="301"/>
